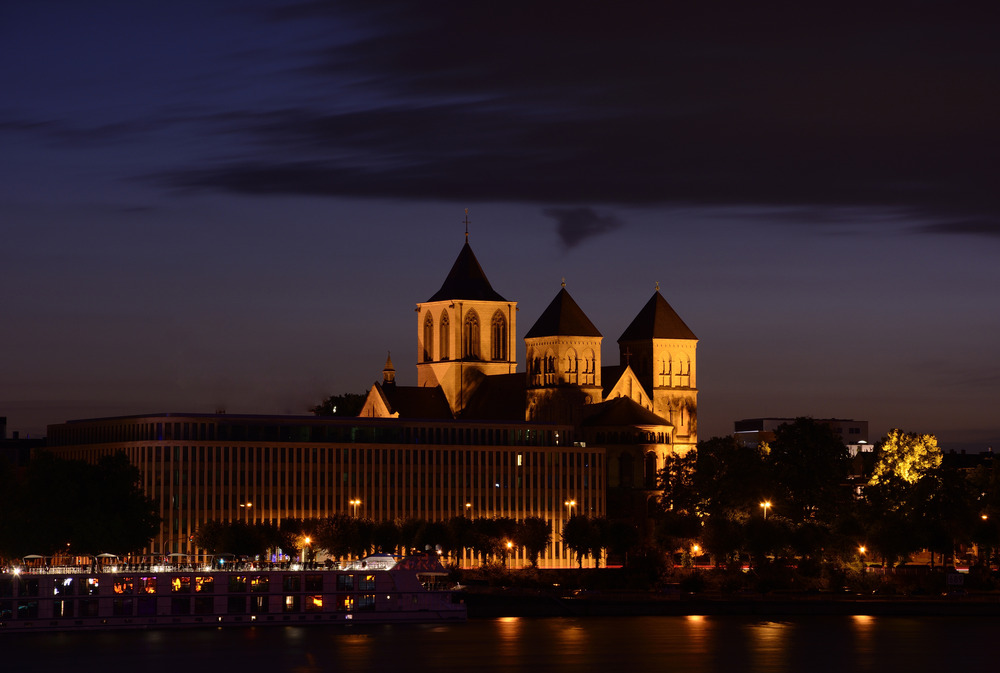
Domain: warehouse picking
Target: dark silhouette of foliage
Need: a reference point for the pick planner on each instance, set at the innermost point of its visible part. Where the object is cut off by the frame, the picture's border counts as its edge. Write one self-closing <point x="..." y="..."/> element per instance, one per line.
<point x="58" y="504"/>
<point x="348" y="404"/>
<point x="534" y="534"/>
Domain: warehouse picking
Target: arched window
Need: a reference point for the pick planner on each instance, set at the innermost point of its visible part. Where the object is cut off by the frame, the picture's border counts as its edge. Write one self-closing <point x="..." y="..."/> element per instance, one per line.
<point x="550" y="368"/>
<point x="445" y="337"/>
<point x="498" y="330"/>
<point x="589" y="367"/>
<point x="572" y="367"/>
<point x="536" y="370"/>
<point x="428" y="338"/>
<point x="471" y="345"/>
<point x="649" y="473"/>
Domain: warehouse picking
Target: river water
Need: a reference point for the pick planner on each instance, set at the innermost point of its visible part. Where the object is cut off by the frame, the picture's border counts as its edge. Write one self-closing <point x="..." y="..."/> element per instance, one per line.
<point x="551" y="645"/>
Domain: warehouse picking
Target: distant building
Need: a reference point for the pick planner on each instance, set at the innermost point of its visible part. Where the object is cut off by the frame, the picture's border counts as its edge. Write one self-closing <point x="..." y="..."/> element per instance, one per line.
<point x="16" y="449"/>
<point x="854" y="434"/>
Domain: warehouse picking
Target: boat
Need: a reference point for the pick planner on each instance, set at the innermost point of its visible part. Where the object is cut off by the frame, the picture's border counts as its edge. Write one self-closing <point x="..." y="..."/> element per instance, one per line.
<point x="42" y="594"/>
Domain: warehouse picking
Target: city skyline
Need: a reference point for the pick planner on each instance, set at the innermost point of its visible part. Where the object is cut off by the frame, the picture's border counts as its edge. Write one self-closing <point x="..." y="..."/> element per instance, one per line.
<point x="240" y="205"/>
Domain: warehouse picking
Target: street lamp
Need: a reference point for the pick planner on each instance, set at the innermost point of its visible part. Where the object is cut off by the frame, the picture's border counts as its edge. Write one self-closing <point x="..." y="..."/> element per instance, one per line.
<point x="302" y="557"/>
<point x="765" y="505"/>
<point x="510" y="545"/>
<point x="354" y="503"/>
<point x="468" y="509"/>
<point x="570" y="504"/>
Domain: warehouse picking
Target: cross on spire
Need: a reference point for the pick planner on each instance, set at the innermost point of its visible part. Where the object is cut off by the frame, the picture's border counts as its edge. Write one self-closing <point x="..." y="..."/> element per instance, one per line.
<point x="628" y="356"/>
<point x="466" y="224"/>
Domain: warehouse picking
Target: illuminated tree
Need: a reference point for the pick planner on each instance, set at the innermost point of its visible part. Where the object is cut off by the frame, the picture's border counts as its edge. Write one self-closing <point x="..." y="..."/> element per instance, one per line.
<point x="907" y="456"/>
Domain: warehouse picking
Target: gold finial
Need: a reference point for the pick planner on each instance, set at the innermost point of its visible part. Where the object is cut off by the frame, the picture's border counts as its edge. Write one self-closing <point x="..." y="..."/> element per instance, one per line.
<point x="657" y="286"/>
<point x="564" y="281"/>
<point x="467" y="225"/>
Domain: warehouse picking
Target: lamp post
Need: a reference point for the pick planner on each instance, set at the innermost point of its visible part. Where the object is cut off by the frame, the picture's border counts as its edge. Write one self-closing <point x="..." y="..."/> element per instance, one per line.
<point x="354" y="503"/>
<point x="510" y="546"/>
<point x="765" y="505"/>
<point x="570" y="504"/>
<point x="303" y="556"/>
<point x="245" y="506"/>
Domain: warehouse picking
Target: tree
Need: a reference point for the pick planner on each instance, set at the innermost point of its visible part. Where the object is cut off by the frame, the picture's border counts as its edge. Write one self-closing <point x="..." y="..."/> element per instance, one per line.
<point x="92" y="507"/>
<point x="348" y="404"/>
<point x="535" y="535"/>
<point x="906" y="455"/>
<point x="580" y="535"/>
<point x="808" y="465"/>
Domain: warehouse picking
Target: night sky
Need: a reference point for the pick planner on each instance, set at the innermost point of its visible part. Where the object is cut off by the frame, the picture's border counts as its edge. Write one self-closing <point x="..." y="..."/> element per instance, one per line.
<point x="238" y="204"/>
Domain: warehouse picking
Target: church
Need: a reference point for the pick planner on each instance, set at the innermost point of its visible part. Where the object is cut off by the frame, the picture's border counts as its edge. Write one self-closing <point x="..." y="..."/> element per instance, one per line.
<point x="640" y="410"/>
<point x="475" y="437"/>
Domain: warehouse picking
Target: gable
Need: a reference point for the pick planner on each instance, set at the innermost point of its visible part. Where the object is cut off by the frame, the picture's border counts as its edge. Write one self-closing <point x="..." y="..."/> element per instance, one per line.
<point x="628" y="385"/>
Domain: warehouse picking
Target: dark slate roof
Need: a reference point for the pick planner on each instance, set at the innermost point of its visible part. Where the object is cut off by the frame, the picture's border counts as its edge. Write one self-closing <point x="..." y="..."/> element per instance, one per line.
<point x="623" y="411"/>
<point x="656" y="320"/>
<point x="466" y="280"/>
<point x="563" y="317"/>
<point x="417" y="402"/>
<point x="610" y="374"/>
<point x="500" y="397"/>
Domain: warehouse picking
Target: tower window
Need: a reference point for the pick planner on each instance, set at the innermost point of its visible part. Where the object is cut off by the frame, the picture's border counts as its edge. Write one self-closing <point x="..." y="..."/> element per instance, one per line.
<point x="498" y="348"/>
<point x="428" y="338"/>
<point x="443" y="346"/>
<point x="471" y="335"/>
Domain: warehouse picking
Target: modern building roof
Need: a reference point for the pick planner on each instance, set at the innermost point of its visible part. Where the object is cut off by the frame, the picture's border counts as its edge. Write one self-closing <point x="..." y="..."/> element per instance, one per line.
<point x="563" y="317"/>
<point x="466" y="280"/>
<point x="656" y="320"/>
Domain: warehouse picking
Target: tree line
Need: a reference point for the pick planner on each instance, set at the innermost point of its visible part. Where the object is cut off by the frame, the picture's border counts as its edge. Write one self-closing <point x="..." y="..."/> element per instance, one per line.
<point x="56" y="505"/>
<point x="803" y="496"/>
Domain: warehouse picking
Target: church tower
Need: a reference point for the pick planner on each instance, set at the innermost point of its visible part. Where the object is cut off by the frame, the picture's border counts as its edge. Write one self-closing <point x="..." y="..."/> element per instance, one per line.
<point x="661" y="350"/>
<point x="563" y="355"/>
<point x="465" y="332"/>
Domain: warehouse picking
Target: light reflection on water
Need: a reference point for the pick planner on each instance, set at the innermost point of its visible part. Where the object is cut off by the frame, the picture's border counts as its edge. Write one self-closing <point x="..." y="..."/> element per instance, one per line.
<point x="605" y="645"/>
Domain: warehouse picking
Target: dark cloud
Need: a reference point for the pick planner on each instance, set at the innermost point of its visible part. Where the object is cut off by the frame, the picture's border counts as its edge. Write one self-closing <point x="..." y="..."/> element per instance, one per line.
<point x="968" y="227"/>
<point x="575" y="225"/>
<point x="636" y="103"/>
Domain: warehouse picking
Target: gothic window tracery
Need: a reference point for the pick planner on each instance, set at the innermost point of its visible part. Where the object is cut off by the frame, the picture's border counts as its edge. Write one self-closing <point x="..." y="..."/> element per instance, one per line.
<point x="471" y="345"/>
<point x="428" y="338"/>
<point x="445" y="337"/>
<point x="498" y="329"/>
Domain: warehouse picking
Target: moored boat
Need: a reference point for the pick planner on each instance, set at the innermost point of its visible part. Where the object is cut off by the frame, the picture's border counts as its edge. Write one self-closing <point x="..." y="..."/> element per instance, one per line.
<point x="37" y="596"/>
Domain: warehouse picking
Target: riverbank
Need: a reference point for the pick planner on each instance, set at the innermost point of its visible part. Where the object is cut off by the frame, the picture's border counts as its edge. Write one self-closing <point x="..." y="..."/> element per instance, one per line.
<point x="493" y="604"/>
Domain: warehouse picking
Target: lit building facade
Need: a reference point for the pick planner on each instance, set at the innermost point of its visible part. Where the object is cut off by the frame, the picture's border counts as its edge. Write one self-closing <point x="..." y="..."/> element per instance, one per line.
<point x="203" y="467"/>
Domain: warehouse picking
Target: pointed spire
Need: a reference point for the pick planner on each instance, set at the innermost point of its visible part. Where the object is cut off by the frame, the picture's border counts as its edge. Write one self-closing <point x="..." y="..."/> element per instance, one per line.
<point x="656" y="320"/>
<point x="388" y="372"/>
<point x="563" y="317"/>
<point x="466" y="225"/>
<point x="466" y="280"/>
